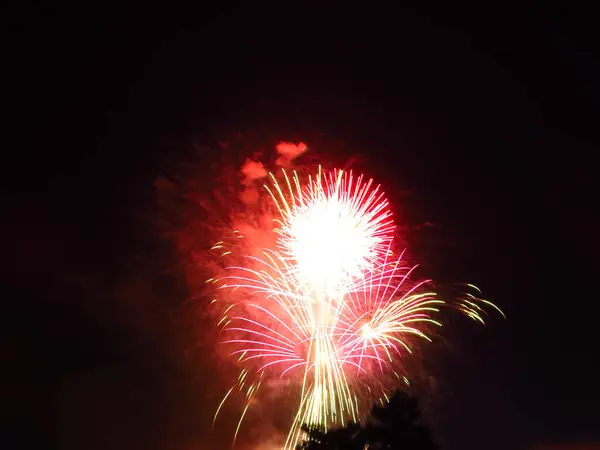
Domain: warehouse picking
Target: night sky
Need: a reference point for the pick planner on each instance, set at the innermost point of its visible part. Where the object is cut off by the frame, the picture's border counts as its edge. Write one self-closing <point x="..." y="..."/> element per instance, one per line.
<point x="481" y="121"/>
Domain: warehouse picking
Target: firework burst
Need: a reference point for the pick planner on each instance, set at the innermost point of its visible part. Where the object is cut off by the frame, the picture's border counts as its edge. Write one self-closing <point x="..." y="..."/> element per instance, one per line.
<point x="330" y="306"/>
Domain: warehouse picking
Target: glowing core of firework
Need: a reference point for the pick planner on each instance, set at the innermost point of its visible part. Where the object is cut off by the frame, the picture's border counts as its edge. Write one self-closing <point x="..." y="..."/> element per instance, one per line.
<point x="332" y="231"/>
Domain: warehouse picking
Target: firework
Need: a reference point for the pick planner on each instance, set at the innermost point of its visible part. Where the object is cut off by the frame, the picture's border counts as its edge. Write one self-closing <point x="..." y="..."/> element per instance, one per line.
<point x="330" y="306"/>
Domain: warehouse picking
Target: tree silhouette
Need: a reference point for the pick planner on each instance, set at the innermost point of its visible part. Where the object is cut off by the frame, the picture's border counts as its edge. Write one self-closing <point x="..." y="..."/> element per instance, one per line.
<point x="350" y="437"/>
<point x="393" y="426"/>
<point x="396" y="426"/>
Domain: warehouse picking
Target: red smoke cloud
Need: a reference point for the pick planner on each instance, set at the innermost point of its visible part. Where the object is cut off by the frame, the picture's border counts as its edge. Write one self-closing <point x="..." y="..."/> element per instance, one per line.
<point x="251" y="170"/>
<point x="255" y="170"/>
<point x="288" y="152"/>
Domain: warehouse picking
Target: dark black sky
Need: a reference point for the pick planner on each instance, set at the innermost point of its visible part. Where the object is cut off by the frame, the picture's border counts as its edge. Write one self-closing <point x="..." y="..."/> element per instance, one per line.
<point x="488" y="115"/>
